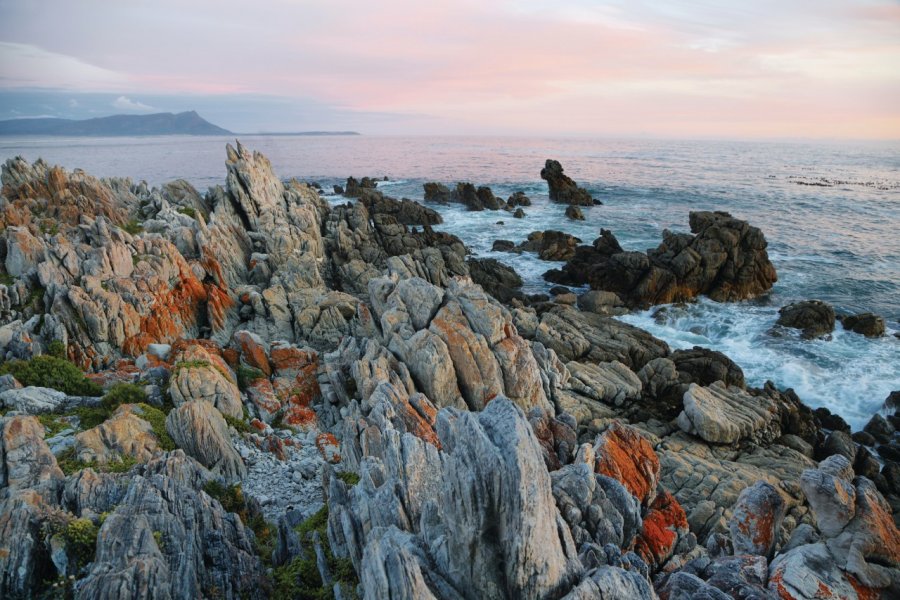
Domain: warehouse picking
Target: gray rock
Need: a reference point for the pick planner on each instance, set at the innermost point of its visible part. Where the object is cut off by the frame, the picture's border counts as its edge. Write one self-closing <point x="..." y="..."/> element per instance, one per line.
<point x="613" y="583"/>
<point x="35" y="400"/>
<point x="684" y="586"/>
<point x="723" y="415"/>
<point x="609" y="382"/>
<point x="202" y="432"/>
<point x="168" y="539"/>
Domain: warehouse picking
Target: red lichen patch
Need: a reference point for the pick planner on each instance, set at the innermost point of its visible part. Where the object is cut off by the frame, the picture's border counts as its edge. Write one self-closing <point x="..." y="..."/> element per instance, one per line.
<point x="263" y="396"/>
<point x="662" y="524"/>
<point x="863" y="592"/>
<point x="180" y="345"/>
<point x="172" y="314"/>
<point x="419" y="419"/>
<point x="232" y="357"/>
<point x="258" y="425"/>
<point x="272" y="444"/>
<point x="253" y="353"/>
<point x="217" y="304"/>
<point x="290" y="361"/>
<point x="777" y="581"/>
<point x="299" y="417"/>
<point x="623" y="454"/>
<point x="328" y="447"/>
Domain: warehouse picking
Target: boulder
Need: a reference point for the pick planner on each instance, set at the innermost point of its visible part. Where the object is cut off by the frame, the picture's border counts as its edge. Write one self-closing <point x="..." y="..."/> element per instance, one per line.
<point x="125" y="433"/>
<point x="609" y="382"/>
<point x="199" y="429"/>
<point x="574" y="213"/>
<point x="436" y="192"/>
<point x="499" y="280"/>
<point x="867" y="324"/>
<point x="814" y="317"/>
<point x="725" y="415"/>
<point x="756" y="519"/>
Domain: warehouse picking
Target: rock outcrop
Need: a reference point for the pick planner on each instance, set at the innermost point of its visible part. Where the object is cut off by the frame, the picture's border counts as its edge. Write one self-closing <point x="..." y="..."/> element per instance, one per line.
<point x="813" y="317"/>
<point x="562" y="188"/>
<point x="724" y="259"/>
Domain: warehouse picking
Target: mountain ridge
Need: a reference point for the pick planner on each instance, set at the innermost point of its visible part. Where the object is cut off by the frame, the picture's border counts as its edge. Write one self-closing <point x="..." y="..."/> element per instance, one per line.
<point x="165" y="123"/>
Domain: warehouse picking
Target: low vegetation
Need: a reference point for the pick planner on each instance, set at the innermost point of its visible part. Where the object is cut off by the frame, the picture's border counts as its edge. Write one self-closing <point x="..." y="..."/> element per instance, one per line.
<point x="51" y="372"/>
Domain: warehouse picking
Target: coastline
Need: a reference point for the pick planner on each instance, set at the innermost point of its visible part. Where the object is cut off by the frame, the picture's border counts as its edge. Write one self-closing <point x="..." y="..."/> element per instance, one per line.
<point x="269" y="322"/>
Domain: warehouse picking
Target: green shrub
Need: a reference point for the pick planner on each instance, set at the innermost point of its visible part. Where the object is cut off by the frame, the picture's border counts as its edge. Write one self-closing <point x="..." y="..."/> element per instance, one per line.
<point x="56" y="349"/>
<point x="123" y="393"/>
<point x="51" y="372"/>
<point x="160" y="541"/>
<point x="300" y="578"/>
<point x="187" y="210"/>
<point x="157" y="420"/>
<point x="70" y="464"/>
<point x="7" y="279"/>
<point x="239" y="424"/>
<point x="81" y="539"/>
<point x="133" y="227"/>
<point x="52" y="423"/>
<point x="348" y="477"/>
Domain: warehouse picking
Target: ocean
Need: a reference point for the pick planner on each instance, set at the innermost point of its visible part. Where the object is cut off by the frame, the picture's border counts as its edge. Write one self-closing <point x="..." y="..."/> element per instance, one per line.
<point x="830" y="211"/>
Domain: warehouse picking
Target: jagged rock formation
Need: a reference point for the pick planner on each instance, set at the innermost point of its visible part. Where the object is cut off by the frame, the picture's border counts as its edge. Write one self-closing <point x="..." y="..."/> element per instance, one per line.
<point x="505" y="445"/>
<point x="724" y="259"/>
<point x="562" y="188"/>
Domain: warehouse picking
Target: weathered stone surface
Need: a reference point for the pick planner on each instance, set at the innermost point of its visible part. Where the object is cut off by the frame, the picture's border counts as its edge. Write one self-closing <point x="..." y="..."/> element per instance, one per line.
<point x="201" y="431"/>
<point x="623" y="454"/>
<point x="25" y="460"/>
<point x="575" y="335"/>
<point x="200" y="375"/>
<point x="497" y="279"/>
<point x="814" y="317"/>
<point x="809" y="572"/>
<point x="723" y="415"/>
<point x="125" y="433"/>
<point x="597" y="508"/>
<point x="611" y="382"/>
<point x="614" y="583"/>
<point x="36" y="400"/>
<point x="756" y="519"/>
<point x="168" y="539"/>
<point x="490" y="464"/>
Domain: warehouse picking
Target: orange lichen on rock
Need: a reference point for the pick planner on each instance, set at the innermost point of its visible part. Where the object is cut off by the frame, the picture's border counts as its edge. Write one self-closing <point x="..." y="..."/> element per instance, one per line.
<point x="662" y="524"/>
<point x="299" y="417"/>
<point x="253" y="352"/>
<point x="623" y="454"/>
<point x="328" y="447"/>
<point x="863" y="592"/>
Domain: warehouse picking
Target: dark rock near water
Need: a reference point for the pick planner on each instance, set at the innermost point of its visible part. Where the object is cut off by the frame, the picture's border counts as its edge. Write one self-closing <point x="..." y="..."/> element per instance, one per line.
<point x="550" y="245"/>
<point x="574" y="213"/>
<point x="355" y="188"/>
<point x="405" y="211"/>
<point x="867" y="324"/>
<point x="518" y="199"/>
<point x="813" y="317"/>
<point x="500" y="281"/>
<point x="519" y="214"/>
<point x="436" y="192"/>
<point x="725" y="259"/>
<point x="562" y="188"/>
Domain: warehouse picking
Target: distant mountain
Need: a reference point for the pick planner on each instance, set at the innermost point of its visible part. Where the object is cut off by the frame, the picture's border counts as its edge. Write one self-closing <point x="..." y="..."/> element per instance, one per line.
<point x="185" y="123"/>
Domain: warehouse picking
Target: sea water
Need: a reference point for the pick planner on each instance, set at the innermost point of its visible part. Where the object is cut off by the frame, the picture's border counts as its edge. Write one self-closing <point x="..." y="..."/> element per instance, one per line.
<point x="830" y="211"/>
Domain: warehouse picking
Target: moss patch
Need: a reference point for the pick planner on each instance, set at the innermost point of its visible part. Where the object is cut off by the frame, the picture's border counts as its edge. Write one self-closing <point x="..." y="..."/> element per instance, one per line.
<point x="247" y="375"/>
<point x="187" y="210"/>
<point x="157" y="420"/>
<point x="133" y="227"/>
<point x="70" y="464"/>
<point x="348" y="477"/>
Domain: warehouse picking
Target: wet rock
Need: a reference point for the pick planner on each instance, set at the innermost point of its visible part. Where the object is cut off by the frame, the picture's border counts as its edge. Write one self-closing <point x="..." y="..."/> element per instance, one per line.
<point x="550" y="245"/>
<point x="724" y="259"/>
<point x="814" y="317"/>
<point x="518" y="199"/>
<point x="500" y="281"/>
<point x="562" y="188"/>
<point x="357" y="187"/>
<point x="437" y="192"/>
<point x="199" y="429"/>
<point x="405" y="211"/>
<point x="879" y="428"/>
<point x="756" y="519"/>
<point x="519" y="214"/>
<point x="704" y="367"/>
<point x="574" y="213"/>
<point x="867" y="324"/>
<point x="723" y="415"/>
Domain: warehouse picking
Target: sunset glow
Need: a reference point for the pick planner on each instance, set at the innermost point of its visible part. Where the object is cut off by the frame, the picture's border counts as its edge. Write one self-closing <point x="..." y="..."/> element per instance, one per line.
<point x="824" y="69"/>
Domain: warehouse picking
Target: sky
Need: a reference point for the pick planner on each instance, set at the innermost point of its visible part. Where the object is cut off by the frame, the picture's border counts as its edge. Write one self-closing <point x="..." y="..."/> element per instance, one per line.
<point x="820" y="69"/>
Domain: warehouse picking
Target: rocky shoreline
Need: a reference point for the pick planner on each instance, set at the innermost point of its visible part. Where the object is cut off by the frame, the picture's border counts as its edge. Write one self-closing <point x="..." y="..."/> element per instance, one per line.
<point x="252" y="393"/>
